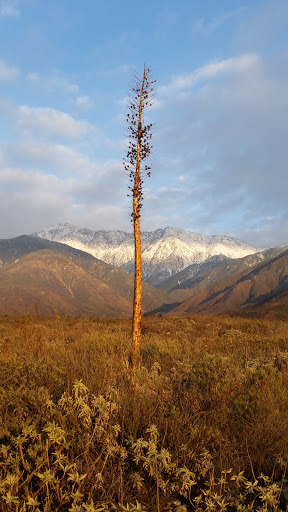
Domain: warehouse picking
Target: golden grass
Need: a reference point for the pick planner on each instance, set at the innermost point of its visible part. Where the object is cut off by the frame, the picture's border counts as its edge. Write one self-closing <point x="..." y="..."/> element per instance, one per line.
<point x="215" y="387"/>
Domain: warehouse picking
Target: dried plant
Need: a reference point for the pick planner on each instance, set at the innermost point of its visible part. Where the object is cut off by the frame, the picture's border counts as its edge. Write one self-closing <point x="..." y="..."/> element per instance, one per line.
<point x="205" y="427"/>
<point x="139" y="149"/>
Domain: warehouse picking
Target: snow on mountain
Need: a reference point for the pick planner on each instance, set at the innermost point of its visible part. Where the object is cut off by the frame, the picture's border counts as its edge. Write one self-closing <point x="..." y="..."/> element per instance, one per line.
<point x="164" y="251"/>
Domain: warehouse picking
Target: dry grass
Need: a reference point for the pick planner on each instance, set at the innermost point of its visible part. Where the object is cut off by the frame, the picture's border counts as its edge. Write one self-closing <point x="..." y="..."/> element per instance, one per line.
<point x="215" y="387"/>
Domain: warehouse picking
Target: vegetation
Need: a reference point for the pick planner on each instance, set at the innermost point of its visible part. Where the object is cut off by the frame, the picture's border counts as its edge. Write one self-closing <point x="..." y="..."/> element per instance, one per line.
<point x="202" y="425"/>
<point x="139" y="148"/>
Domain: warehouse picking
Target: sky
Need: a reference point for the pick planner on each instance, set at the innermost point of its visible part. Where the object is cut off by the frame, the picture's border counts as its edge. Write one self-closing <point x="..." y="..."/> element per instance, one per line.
<point x="219" y="157"/>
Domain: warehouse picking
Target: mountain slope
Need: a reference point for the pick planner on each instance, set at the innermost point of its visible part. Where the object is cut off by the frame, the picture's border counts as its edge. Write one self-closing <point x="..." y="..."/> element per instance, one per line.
<point x="15" y="248"/>
<point x="240" y="291"/>
<point x="275" y="307"/>
<point x="164" y="251"/>
<point x="201" y="275"/>
<point x="46" y="280"/>
<point x="184" y="279"/>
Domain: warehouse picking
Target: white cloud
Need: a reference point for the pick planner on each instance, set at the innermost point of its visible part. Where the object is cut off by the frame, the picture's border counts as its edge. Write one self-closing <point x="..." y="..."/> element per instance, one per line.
<point x="266" y="25"/>
<point x="239" y="64"/>
<point x="55" y="157"/>
<point x="43" y="196"/>
<point x="40" y="198"/>
<point x="50" y="122"/>
<point x="84" y="102"/>
<point x="29" y="178"/>
<point x="8" y="72"/>
<point x="208" y="27"/>
<point x="96" y="217"/>
<point x="56" y="81"/>
<point x="86" y="183"/>
<point x="227" y="137"/>
<point x="9" y="8"/>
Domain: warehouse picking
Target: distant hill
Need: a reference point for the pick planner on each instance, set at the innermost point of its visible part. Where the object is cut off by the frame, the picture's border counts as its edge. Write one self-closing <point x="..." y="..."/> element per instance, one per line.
<point x="241" y="291"/>
<point x="46" y="281"/>
<point x="199" y="276"/>
<point x="44" y="275"/>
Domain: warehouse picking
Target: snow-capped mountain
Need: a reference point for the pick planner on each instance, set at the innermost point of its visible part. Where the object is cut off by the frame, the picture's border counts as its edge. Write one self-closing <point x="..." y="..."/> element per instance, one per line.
<point x="164" y="251"/>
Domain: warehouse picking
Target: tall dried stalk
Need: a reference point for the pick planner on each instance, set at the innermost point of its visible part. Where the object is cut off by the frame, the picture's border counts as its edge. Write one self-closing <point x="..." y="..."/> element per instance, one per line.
<point x="139" y="148"/>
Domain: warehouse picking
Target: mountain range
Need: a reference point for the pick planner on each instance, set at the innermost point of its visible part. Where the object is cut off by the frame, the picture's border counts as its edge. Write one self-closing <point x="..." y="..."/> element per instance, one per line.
<point x="79" y="272"/>
<point x="165" y="252"/>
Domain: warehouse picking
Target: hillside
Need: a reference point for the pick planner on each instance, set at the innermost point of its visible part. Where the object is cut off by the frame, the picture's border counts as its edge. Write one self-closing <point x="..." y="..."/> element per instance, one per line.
<point x="275" y="307"/>
<point x="199" y="276"/>
<point x="240" y="292"/>
<point x="45" y="281"/>
<point x="50" y="275"/>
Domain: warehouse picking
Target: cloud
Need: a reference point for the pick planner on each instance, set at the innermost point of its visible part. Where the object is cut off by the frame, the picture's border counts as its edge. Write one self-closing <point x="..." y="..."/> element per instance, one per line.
<point x="122" y="69"/>
<point x="8" y="72"/>
<point x="60" y="183"/>
<point x="9" y="8"/>
<point x="30" y="179"/>
<point x="238" y="64"/>
<point x="107" y="217"/>
<point x="208" y="27"/>
<point x="53" y="157"/>
<point x="56" y="81"/>
<point x="219" y="157"/>
<point x="265" y="28"/>
<point x="84" y="102"/>
<point x="223" y="127"/>
<point x="31" y="197"/>
<point x="44" y="197"/>
<point x="96" y="183"/>
<point x="50" y="122"/>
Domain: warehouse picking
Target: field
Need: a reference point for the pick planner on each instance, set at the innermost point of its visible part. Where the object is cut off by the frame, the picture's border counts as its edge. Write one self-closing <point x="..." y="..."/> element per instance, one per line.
<point x="201" y="426"/>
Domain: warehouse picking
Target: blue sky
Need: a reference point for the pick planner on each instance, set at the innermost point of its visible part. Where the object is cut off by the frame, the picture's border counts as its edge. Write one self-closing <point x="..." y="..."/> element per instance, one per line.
<point x="219" y="163"/>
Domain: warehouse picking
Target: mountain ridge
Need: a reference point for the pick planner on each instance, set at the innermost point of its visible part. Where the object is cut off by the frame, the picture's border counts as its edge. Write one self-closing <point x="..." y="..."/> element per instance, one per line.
<point x="240" y="292"/>
<point x="164" y="251"/>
